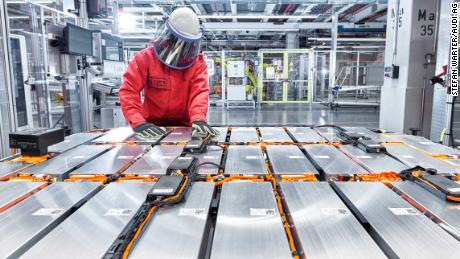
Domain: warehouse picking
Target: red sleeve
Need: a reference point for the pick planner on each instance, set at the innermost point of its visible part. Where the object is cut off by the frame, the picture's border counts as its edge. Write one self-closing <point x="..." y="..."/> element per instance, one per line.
<point x="134" y="81"/>
<point x="199" y="93"/>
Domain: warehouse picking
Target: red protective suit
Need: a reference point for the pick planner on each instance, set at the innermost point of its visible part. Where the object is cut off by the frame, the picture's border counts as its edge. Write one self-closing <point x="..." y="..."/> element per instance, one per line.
<point x="171" y="97"/>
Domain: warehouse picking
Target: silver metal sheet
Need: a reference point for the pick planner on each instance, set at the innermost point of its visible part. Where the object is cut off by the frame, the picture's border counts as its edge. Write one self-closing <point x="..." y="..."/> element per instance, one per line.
<point x="413" y="157"/>
<point x="62" y="164"/>
<point x="306" y="135"/>
<point x="27" y="222"/>
<point x="271" y="134"/>
<point x="332" y="161"/>
<point x="181" y="134"/>
<point x="425" y="144"/>
<point x="73" y="141"/>
<point x="445" y="210"/>
<point x="454" y="162"/>
<point x="368" y="133"/>
<point x="116" y="135"/>
<point x="325" y="226"/>
<point x="10" y="191"/>
<point x="156" y="161"/>
<point x="244" y="135"/>
<point x="246" y="160"/>
<point x="184" y="224"/>
<point x="222" y="134"/>
<point x="7" y="168"/>
<point x="375" y="162"/>
<point x="112" y="161"/>
<point x="399" y="229"/>
<point x="289" y="160"/>
<point x="249" y="224"/>
<point x="214" y="156"/>
<point x="91" y="230"/>
<point x="329" y="133"/>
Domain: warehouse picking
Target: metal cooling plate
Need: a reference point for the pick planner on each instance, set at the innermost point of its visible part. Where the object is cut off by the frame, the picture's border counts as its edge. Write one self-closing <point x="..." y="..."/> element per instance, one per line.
<point x="116" y="135"/>
<point x="306" y="135"/>
<point x="10" y="191"/>
<point x="27" y="222"/>
<point x="184" y="224"/>
<point x="289" y="160"/>
<point x="249" y="224"/>
<point x="181" y="134"/>
<point x="375" y="162"/>
<point x="399" y="229"/>
<point x="244" y="135"/>
<point x="156" y="161"/>
<point x="246" y="160"/>
<point x="272" y="134"/>
<point x="73" y="141"/>
<point x="91" y="230"/>
<point x="214" y="156"/>
<point x="325" y="226"/>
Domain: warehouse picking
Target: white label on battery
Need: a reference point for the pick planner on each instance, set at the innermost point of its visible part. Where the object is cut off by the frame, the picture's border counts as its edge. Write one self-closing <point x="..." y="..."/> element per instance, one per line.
<point x="454" y="189"/>
<point x="125" y="157"/>
<point x="176" y="133"/>
<point x="185" y="158"/>
<point x="49" y="212"/>
<point x="79" y="157"/>
<point x="404" y="211"/>
<point x="374" y="145"/>
<point x="363" y="157"/>
<point x="269" y="133"/>
<point x="296" y="157"/>
<point x="426" y="143"/>
<point x="211" y="157"/>
<point x="252" y="157"/>
<point x="118" y="212"/>
<point x="322" y="157"/>
<point x="66" y="141"/>
<point x="335" y="211"/>
<point x="261" y="212"/>
<point x="408" y="156"/>
<point x="164" y="190"/>
<point x="192" y="212"/>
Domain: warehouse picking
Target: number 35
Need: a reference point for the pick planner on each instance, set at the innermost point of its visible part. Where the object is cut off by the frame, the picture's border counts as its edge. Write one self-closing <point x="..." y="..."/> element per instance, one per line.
<point x="427" y="30"/>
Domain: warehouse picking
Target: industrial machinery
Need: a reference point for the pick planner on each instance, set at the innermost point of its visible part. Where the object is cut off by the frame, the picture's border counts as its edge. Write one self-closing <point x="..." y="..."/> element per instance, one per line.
<point x="294" y="191"/>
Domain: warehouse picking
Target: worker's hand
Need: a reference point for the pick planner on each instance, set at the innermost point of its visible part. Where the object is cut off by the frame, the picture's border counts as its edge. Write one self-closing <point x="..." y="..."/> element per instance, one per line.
<point x="202" y="129"/>
<point x="149" y="131"/>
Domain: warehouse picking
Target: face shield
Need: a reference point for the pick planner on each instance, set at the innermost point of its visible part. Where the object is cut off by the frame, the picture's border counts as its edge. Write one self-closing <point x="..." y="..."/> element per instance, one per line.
<point x="175" y="49"/>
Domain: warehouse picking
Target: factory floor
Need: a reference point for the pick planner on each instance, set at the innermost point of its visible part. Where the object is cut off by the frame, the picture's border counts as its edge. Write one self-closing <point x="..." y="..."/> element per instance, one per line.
<point x="285" y="114"/>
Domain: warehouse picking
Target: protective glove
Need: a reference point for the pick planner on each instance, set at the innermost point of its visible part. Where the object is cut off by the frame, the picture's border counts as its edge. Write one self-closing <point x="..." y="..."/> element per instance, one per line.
<point x="149" y="131"/>
<point x="202" y="129"/>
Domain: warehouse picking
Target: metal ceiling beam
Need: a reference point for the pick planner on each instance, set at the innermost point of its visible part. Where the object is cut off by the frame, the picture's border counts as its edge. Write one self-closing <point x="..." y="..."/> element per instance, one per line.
<point x="339" y="12"/>
<point x="268" y="10"/>
<point x="260" y="26"/>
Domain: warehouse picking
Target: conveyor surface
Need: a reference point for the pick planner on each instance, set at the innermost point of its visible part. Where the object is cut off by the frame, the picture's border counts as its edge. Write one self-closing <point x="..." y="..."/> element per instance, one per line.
<point x="329" y="133"/>
<point x="398" y="228"/>
<point x="7" y="168"/>
<point x="246" y="160"/>
<point x="156" y="161"/>
<point x="178" y="231"/>
<point x="222" y="134"/>
<point x="244" y="135"/>
<point x="10" y="191"/>
<point x="209" y="161"/>
<point x="446" y="211"/>
<point x="306" y="135"/>
<point x="180" y="134"/>
<point x="325" y="226"/>
<point x="289" y="160"/>
<point x="368" y="133"/>
<point x="425" y="144"/>
<point x="115" y="135"/>
<point x="91" y="230"/>
<point x="412" y="157"/>
<point x="112" y="161"/>
<point x="28" y="221"/>
<point x="249" y="224"/>
<point x="62" y="164"/>
<point x="332" y="161"/>
<point x="272" y="134"/>
<point x="73" y="141"/>
<point x="375" y="162"/>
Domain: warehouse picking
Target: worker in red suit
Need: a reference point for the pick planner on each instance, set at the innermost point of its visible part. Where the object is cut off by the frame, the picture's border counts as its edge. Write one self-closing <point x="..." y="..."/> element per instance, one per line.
<point x="173" y="75"/>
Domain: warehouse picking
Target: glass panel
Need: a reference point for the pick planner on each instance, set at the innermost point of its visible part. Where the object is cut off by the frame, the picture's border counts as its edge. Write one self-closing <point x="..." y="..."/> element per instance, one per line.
<point x="297" y="85"/>
<point x="214" y="62"/>
<point x="19" y="78"/>
<point x="321" y="76"/>
<point x="273" y="76"/>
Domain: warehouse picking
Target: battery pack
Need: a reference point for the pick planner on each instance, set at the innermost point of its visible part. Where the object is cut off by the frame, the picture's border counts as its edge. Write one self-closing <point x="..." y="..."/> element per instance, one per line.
<point x="184" y="165"/>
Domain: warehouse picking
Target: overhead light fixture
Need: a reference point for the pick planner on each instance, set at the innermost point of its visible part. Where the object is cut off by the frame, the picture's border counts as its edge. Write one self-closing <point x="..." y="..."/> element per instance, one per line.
<point x="126" y="21"/>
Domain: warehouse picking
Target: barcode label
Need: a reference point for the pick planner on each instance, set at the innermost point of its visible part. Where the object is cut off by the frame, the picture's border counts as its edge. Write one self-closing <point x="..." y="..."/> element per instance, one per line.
<point x="252" y="157"/>
<point x="164" y="190"/>
<point x="191" y="212"/>
<point x="261" y="212"/>
<point x="322" y="157"/>
<point x="296" y="157"/>
<point x="118" y="212"/>
<point x="49" y="212"/>
<point x="404" y="211"/>
<point x="335" y="211"/>
<point x="125" y="157"/>
<point x="363" y="157"/>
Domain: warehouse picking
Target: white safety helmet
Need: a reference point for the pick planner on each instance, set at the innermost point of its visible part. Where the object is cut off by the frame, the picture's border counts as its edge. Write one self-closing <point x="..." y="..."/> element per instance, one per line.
<point x="178" y="45"/>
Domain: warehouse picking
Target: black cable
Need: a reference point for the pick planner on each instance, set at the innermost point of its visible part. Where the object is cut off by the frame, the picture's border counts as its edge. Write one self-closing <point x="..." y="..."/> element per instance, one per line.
<point x="209" y="163"/>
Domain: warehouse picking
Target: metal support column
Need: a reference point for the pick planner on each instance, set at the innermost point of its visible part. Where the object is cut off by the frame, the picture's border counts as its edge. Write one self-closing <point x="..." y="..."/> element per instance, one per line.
<point x="333" y="57"/>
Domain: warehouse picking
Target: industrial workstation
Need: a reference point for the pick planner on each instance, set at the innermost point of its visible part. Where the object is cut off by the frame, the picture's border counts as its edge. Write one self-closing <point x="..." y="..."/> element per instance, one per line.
<point x="229" y="129"/>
